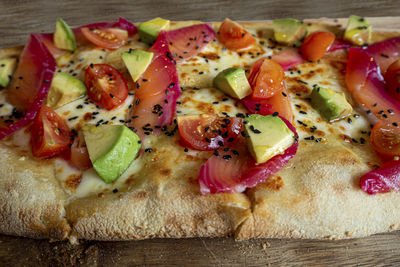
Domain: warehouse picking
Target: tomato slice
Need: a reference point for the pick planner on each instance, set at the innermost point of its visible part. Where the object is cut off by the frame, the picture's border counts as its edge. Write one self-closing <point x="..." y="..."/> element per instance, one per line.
<point x="266" y="78"/>
<point x="385" y="138"/>
<point x="316" y="45"/>
<point x="233" y="36"/>
<point x="106" y="86"/>
<point x="392" y="78"/>
<point x="208" y="131"/>
<point x="189" y="41"/>
<point x="50" y="134"/>
<point x="77" y="155"/>
<point x="111" y="38"/>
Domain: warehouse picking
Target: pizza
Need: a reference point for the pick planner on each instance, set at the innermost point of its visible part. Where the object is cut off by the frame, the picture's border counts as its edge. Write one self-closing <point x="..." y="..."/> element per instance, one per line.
<point x="274" y="129"/>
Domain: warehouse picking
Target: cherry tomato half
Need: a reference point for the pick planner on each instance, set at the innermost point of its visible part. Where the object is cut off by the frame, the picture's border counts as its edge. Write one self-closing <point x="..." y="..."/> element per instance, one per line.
<point x="50" y="134"/>
<point x="234" y="36"/>
<point x="316" y="45"/>
<point x="111" y="38"/>
<point x="106" y="86"/>
<point x="385" y="138"/>
<point x="208" y="131"/>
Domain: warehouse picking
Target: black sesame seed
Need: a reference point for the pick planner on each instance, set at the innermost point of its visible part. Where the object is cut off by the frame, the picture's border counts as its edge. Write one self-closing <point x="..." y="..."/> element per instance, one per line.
<point x="226" y="157"/>
<point x="115" y="190"/>
<point x="275" y="114"/>
<point x="216" y="153"/>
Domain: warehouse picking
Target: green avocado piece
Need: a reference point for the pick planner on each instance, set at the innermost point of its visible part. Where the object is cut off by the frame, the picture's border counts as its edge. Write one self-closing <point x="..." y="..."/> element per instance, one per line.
<point x="7" y="68"/>
<point x="358" y="31"/>
<point x="64" y="38"/>
<point x="330" y="105"/>
<point x="148" y="31"/>
<point x="233" y="82"/>
<point x="64" y="89"/>
<point x="289" y="31"/>
<point x="112" y="148"/>
<point x="137" y="62"/>
<point x="268" y="136"/>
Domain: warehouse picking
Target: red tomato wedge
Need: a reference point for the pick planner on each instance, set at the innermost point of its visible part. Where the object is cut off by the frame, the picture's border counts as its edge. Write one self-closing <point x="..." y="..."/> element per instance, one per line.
<point x="110" y="38"/>
<point x="156" y="93"/>
<point x="392" y="78"/>
<point x="208" y="131"/>
<point x="316" y="45"/>
<point x="279" y="102"/>
<point x="385" y="53"/>
<point x="383" y="180"/>
<point x="50" y="134"/>
<point x="36" y="67"/>
<point x="231" y="172"/>
<point x="233" y="36"/>
<point x="106" y="86"/>
<point x="189" y="41"/>
<point x="77" y="155"/>
<point x="288" y="58"/>
<point x="121" y="24"/>
<point x="266" y="79"/>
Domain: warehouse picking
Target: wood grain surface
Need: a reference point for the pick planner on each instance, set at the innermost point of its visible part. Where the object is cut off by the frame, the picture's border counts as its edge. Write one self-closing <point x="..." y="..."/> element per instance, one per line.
<point x="20" y="18"/>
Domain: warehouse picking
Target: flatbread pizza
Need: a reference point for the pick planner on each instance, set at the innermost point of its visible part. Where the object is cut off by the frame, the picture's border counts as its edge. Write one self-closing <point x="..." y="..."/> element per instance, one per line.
<point x="275" y="129"/>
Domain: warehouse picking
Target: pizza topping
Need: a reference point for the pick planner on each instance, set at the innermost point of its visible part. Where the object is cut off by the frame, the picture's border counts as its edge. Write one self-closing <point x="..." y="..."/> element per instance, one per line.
<point x="31" y="83"/>
<point x="105" y="86"/>
<point x="158" y="83"/>
<point x="119" y="148"/>
<point x="208" y="131"/>
<point x="233" y="36"/>
<point x="392" y="78"/>
<point x="77" y="154"/>
<point x="233" y="82"/>
<point x="358" y="31"/>
<point x="64" y="38"/>
<point x="234" y="172"/>
<point x="289" y="31"/>
<point x="7" y="68"/>
<point x="187" y="42"/>
<point x="385" y="52"/>
<point x="288" y="58"/>
<point x="383" y="180"/>
<point x="331" y="105"/>
<point x="137" y="62"/>
<point x="110" y="38"/>
<point x="338" y="44"/>
<point x="316" y="45"/>
<point x="268" y="136"/>
<point x="385" y="138"/>
<point x="50" y="134"/>
<point x="266" y="78"/>
<point x="149" y="30"/>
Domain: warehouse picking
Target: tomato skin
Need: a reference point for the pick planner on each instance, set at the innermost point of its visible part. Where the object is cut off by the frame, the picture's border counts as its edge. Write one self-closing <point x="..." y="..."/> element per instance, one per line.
<point x="208" y="131"/>
<point x="266" y="79"/>
<point x="110" y="38"/>
<point x="385" y="138"/>
<point x="316" y="45"/>
<point x="77" y="155"/>
<point x="106" y="86"/>
<point x="50" y="134"/>
<point x="392" y="78"/>
<point x="233" y="36"/>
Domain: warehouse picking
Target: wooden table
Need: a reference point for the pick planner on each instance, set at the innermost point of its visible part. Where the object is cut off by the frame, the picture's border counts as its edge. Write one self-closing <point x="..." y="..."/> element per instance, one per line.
<point x="19" y="18"/>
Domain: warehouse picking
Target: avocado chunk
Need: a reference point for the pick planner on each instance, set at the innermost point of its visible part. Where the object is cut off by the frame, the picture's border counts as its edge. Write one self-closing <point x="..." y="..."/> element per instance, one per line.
<point x="330" y="105"/>
<point x="64" y="89"/>
<point x="112" y="148"/>
<point x="64" y="38"/>
<point x="148" y="31"/>
<point x="7" y="68"/>
<point x="268" y="136"/>
<point x="137" y="62"/>
<point x="358" y="31"/>
<point x="233" y="82"/>
<point x="289" y="31"/>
